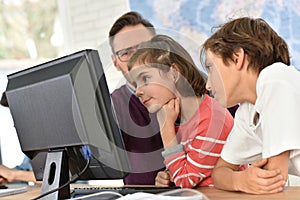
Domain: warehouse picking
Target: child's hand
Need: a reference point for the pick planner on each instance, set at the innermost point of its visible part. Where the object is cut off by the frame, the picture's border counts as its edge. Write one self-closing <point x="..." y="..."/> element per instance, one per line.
<point x="6" y="174"/>
<point x="260" y="181"/>
<point x="162" y="179"/>
<point x="169" y="113"/>
<point x="167" y="116"/>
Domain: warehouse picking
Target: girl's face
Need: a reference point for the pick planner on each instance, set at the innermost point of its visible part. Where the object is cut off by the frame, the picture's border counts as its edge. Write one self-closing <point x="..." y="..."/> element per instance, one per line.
<point x="220" y="78"/>
<point x="154" y="87"/>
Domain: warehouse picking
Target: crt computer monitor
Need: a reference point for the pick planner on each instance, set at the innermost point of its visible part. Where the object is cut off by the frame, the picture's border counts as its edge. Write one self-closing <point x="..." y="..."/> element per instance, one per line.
<point x="62" y="109"/>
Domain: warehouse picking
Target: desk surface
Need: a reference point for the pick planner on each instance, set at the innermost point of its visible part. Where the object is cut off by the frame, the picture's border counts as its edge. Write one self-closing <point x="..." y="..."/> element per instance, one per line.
<point x="290" y="193"/>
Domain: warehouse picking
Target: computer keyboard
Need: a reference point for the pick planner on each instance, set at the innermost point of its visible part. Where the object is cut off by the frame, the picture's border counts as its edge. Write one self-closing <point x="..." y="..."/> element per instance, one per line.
<point x="13" y="190"/>
<point x="123" y="190"/>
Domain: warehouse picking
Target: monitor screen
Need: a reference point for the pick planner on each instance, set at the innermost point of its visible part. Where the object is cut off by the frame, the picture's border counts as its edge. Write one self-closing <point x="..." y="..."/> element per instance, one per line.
<point x="64" y="106"/>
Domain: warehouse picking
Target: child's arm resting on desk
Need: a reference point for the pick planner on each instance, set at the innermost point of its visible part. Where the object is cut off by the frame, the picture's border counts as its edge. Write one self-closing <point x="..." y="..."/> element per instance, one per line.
<point x="13" y="175"/>
<point x="255" y="179"/>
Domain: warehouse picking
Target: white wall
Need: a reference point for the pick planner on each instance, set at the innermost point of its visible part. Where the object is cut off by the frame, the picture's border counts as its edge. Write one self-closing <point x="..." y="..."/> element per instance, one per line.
<point x="86" y="23"/>
<point x="10" y="148"/>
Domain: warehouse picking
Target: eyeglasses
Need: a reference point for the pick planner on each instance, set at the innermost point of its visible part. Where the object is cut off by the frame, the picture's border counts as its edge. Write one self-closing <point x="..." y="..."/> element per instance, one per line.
<point x="125" y="54"/>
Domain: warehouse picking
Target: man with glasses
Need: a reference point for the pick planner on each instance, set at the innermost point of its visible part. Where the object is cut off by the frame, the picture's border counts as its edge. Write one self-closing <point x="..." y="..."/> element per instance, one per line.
<point x="139" y="128"/>
<point x="125" y="54"/>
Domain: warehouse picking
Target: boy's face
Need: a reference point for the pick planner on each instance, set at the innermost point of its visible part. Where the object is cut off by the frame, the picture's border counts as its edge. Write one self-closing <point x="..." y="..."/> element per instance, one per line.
<point x="125" y="42"/>
<point x="220" y="79"/>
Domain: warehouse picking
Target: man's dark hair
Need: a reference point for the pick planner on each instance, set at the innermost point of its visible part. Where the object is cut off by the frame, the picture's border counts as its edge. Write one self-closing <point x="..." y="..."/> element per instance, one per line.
<point x="128" y="19"/>
<point x="4" y="100"/>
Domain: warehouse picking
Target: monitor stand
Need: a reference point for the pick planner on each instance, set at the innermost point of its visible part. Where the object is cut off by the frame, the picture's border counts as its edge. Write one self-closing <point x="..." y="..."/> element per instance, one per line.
<point x="56" y="174"/>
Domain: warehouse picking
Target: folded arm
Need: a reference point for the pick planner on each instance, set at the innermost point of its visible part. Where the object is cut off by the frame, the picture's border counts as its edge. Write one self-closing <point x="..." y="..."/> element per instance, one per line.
<point x="264" y="176"/>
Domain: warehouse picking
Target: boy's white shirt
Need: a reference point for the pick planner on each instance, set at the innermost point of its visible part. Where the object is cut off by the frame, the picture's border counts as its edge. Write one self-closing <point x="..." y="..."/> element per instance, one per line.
<point x="278" y="126"/>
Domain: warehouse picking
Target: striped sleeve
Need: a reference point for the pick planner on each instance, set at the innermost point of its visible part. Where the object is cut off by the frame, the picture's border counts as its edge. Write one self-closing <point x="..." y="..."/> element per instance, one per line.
<point x="193" y="165"/>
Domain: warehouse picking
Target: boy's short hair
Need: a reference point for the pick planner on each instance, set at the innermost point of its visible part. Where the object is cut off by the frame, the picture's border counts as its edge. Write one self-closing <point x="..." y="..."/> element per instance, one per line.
<point x="260" y="42"/>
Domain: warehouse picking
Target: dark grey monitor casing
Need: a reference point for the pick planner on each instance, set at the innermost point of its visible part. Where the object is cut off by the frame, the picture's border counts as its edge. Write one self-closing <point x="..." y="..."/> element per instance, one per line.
<point x="65" y="103"/>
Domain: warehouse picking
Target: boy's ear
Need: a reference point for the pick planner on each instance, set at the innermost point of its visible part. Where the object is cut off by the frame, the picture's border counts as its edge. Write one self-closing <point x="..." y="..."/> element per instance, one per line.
<point x="239" y="58"/>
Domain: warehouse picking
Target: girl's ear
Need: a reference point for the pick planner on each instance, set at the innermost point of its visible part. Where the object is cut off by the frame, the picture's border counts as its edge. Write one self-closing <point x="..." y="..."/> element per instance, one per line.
<point x="175" y="72"/>
<point x="239" y="58"/>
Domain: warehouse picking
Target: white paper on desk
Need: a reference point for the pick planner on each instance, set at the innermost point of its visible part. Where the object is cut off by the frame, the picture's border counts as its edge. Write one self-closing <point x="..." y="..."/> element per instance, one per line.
<point x="179" y="194"/>
<point x="10" y="191"/>
<point x="138" y="196"/>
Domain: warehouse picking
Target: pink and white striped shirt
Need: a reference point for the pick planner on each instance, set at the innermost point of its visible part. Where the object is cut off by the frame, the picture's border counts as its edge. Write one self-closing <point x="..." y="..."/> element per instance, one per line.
<point x="201" y="140"/>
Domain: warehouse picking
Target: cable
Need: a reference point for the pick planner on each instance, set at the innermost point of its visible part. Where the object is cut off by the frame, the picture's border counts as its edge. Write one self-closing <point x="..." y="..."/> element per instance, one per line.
<point x="73" y="179"/>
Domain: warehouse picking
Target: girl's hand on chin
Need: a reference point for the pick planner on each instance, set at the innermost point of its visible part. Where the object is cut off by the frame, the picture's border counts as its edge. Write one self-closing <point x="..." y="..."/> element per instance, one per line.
<point x="169" y="112"/>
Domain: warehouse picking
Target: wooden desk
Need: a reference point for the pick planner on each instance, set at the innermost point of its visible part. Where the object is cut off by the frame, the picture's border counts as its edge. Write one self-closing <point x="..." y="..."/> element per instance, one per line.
<point x="33" y="191"/>
<point x="290" y="193"/>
